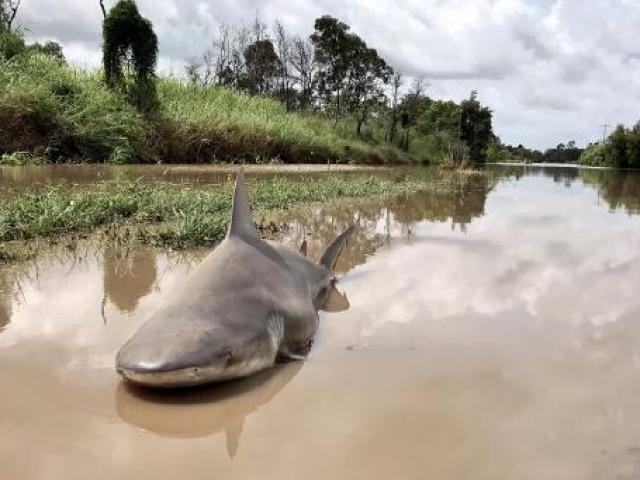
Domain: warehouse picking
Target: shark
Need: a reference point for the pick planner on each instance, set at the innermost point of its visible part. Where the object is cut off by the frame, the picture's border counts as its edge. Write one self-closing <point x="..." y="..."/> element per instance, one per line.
<point x="248" y="305"/>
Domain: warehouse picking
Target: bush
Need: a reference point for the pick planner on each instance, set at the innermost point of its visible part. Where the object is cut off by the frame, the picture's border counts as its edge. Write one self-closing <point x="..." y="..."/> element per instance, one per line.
<point x="11" y="44"/>
<point x="593" y="156"/>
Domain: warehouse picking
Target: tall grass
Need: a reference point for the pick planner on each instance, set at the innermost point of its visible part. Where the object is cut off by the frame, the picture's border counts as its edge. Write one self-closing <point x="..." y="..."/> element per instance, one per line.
<point x="53" y="111"/>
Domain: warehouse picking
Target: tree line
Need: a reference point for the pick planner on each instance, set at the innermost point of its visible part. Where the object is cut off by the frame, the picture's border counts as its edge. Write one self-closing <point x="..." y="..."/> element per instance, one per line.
<point x="334" y="72"/>
<point x="331" y="73"/>
<point x="563" y="153"/>
<point x="621" y="149"/>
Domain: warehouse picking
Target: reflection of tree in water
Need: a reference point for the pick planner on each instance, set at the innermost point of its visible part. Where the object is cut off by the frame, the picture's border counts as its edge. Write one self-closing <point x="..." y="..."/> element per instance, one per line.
<point x="128" y="278"/>
<point x="458" y="198"/>
<point x="324" y="223"/>
<point x="6" y="292"/>
<point x="565" y="175"/>
<point x="620" y="189"/>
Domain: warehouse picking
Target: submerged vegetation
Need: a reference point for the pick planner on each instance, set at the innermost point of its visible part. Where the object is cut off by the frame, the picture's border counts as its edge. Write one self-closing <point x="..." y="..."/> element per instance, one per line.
<point x="175" y="216"/>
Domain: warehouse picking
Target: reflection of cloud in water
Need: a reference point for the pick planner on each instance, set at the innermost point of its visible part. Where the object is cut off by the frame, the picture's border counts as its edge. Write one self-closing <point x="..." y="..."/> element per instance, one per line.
<point x="442" y="273"/>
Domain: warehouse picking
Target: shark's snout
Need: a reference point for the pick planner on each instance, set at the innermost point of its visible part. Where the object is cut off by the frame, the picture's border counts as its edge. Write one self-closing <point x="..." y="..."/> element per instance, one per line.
<point x="191" y="357"/>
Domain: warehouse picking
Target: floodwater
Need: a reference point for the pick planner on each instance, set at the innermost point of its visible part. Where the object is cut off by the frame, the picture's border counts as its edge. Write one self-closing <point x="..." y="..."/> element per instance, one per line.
<point x="493" y="333"/>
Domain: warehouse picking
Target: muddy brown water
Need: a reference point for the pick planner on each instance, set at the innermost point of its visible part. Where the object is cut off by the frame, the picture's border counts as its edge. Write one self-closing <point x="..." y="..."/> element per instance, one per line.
<point x="493" y="333"/>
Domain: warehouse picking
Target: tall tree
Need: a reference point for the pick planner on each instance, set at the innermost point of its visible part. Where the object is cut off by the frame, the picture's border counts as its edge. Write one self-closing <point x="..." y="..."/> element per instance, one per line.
<point x="349" y="72"/>
<point x="475" y="127"/>
<point x="332" y="43"/>
<point x="617" y="148"/>
<point x="263" y="66"/>
<point x="411" y="107"/>
<point x="284" y="47"/>
<point x="303" y="68"/>
<point x="367" y="71"/>
<point x="396" y="84"/>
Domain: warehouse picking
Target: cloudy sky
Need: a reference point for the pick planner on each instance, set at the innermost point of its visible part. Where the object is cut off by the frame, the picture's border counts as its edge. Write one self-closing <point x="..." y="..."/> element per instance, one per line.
<point x="551" y="70"/>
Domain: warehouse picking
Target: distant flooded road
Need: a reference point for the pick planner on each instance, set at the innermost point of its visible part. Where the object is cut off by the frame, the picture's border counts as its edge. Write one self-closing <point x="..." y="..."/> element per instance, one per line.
<point x="493" y="333"/>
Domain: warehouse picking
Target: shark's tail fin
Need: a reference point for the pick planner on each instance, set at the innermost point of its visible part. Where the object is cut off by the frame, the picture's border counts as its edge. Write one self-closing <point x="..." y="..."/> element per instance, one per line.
<point x="335" y="248"/>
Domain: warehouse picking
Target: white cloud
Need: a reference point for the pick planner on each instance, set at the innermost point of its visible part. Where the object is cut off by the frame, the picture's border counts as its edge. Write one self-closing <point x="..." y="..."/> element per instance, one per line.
<point x="550" y="70"/>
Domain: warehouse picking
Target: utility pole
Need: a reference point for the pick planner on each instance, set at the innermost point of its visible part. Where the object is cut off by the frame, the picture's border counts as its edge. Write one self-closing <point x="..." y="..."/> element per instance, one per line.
<point x="604" y="132"/>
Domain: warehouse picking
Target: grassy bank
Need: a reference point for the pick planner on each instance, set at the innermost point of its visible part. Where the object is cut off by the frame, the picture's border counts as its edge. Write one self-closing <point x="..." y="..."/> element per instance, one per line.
<point x="53" y="112"/>
<point x="164" y="214"/>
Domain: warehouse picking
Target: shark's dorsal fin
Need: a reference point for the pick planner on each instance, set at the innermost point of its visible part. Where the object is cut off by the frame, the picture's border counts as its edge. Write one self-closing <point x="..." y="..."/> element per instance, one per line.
<point x="304" y="247"/>
<point x="241" y="219"/>
<point x="333" y="251"/>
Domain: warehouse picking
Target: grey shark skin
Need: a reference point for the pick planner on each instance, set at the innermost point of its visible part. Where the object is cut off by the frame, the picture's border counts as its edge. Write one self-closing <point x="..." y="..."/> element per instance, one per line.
<point x="248" y="303"/>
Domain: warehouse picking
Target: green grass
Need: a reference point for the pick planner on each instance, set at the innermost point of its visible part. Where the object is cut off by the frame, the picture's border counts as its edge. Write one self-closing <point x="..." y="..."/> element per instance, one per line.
<point x="52" y="111"/>
<point x="171" y="215"/>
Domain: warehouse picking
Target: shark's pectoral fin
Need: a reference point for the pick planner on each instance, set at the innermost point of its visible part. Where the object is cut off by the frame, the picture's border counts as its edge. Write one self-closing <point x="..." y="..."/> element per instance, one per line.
<point x="294" y="353"/>
<point x="286" y="356"/>
<point x="333" y="251"/>
<point x="233" y="433"/>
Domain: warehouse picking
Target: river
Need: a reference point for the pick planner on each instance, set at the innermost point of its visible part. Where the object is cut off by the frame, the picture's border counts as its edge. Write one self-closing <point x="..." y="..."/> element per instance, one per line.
<point x="493" y="333"/>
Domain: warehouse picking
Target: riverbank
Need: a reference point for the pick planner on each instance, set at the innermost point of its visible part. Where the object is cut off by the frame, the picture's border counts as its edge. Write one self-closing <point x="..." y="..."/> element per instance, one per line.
<point x="166" y="215"/>
<point x="50" y="112"/>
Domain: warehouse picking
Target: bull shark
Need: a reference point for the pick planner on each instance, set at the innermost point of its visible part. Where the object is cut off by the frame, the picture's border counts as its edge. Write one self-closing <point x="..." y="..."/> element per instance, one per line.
<point x="247" y="305"/>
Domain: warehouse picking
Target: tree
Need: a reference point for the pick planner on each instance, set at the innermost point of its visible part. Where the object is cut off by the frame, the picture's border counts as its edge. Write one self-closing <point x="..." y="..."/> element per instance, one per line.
<point x="366" y="74"/>
<point x="263" y="66"/>
<point x="332" y="43"/>
<point x="396" y="84"/>
<point x="284" y="48"/>
<point x="475" y="127"/>
<point x="11" y="39"/>
<point x="8" y="13"/>
<point x="130" y="44"/>
<point x="633" y="147"/>
<point x="349" y="70"/>
<point x="439" y="116"/>
<point x="616" y="148"/>
<point x="411" y="107"/>
<point x="303" y="68"/>
<point x="51" y="49"/>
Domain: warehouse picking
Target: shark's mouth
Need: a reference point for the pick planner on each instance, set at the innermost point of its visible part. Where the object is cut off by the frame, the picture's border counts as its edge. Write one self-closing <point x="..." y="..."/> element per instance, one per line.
<point x="191" y="376"/>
